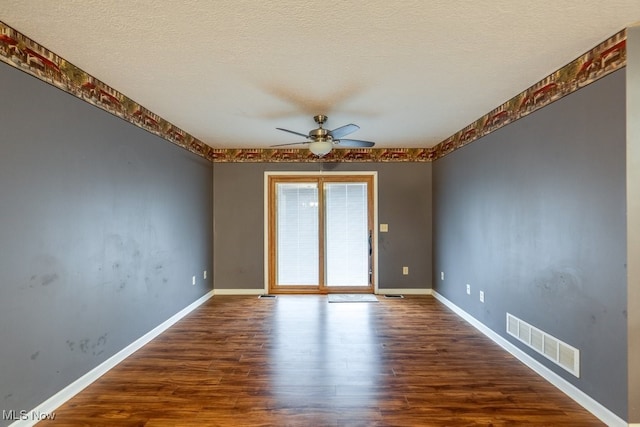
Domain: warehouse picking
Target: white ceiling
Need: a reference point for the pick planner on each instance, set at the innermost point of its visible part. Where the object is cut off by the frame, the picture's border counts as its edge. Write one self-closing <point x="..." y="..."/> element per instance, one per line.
<point x="410" y="72"/>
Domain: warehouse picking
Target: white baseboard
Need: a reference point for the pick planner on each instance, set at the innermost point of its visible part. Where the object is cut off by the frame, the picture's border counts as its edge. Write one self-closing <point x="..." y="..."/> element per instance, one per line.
<point x="50" y="405"/>
<point x="591" y="405"/>
<point x="407" y="291"/>
<point x="239" y="291"/>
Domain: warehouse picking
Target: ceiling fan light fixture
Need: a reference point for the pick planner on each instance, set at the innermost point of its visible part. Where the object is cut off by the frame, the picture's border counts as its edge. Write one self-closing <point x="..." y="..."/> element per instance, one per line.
<point x="321" y="147"/>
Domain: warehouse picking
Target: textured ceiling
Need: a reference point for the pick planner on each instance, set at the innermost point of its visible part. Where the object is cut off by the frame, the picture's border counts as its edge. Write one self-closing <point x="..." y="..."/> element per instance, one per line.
<point x="410" y="73"/>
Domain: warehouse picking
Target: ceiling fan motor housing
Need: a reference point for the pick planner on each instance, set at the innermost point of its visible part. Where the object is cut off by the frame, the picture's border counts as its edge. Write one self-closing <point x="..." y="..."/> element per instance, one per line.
<point x="319" y="134"/>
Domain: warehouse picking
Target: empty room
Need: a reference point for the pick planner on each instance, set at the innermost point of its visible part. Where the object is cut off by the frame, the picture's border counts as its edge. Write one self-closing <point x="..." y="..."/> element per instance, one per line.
<point x="296" y="213"/>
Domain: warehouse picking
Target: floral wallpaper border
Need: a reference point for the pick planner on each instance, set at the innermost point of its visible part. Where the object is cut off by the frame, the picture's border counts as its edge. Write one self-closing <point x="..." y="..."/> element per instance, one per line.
<point x="341" y="155"/>
<point x="19" y="51"/>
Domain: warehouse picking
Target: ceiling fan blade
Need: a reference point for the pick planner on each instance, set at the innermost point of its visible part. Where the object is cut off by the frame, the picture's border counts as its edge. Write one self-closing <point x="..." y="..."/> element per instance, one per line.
<point x="353" y="143"/>
<point x="294" y="132"/>
<point x="345" y="130"/>
<point x="290" y="143"/>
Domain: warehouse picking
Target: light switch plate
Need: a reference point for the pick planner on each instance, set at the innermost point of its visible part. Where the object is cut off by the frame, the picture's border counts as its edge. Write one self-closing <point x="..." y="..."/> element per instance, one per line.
<point x="384" y="228"/>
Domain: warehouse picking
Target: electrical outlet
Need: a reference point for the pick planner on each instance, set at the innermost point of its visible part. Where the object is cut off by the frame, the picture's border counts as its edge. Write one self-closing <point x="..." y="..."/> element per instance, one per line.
<point x="204" y="275"/>
<point x="405" y="270"/>
<point x="193" y="280"/>
<point x="442" y="275"/>
<point x="481" y="296"/>
<point x="468" y="289"/>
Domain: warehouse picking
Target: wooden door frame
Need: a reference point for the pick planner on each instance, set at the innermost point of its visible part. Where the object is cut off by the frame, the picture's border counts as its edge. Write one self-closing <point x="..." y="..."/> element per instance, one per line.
<point x="372" y="175"/>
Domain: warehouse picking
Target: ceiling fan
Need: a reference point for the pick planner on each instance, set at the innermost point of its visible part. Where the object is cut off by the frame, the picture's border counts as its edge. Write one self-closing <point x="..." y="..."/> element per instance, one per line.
<point x="321" y="140"/>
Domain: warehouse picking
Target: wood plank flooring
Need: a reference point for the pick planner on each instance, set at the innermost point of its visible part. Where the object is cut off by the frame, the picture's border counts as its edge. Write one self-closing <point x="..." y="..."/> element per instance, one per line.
<point x="301" y="361"/>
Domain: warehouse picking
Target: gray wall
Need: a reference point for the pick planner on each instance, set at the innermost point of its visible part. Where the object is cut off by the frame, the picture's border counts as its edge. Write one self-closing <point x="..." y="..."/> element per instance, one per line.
<point x="534" y="215"/>
<point x="102" y="226"/>
<point x="404" y="202"/>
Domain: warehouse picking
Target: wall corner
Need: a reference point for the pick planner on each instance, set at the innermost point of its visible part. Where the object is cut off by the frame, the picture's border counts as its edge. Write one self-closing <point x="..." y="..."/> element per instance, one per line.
<point x="633" y="220"/>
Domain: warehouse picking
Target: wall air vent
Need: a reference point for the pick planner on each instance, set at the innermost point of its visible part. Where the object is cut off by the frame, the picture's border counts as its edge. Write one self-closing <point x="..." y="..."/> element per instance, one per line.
<point x="561" y="353"/>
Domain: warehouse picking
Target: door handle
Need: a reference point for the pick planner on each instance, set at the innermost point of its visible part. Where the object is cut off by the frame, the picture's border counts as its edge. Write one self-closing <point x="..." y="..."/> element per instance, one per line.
<point x="370" y="257"/>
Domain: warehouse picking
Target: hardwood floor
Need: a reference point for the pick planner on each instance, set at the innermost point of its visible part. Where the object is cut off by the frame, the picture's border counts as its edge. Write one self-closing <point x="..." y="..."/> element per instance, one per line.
<point x="301" y="361"/>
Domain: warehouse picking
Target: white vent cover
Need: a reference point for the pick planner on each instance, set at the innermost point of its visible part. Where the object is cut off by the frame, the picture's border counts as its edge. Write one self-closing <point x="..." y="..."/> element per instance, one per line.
<point x="561" y="353"/>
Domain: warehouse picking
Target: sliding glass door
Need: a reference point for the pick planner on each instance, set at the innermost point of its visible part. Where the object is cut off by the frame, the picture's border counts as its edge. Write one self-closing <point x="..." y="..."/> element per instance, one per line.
<point x="297" y="236"/>
<point x="347" y="245"/>
<point x="320" y="233"/>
